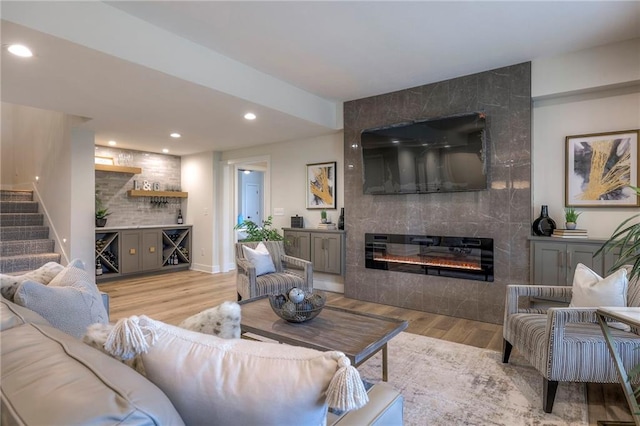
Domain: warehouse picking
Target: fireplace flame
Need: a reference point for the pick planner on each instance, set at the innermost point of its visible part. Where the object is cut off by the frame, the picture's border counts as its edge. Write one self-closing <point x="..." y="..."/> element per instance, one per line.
<point x="429" y="261"/>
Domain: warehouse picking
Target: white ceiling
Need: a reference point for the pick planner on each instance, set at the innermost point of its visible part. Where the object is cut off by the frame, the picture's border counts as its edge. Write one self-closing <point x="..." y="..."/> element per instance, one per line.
<point x="142" y="69"/>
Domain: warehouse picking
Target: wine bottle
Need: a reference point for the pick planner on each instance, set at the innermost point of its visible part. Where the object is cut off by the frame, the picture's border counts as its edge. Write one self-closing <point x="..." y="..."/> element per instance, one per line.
<point x="98" y="267"/>
<point x="180" y="220"/>
<point x="341" y="219"/>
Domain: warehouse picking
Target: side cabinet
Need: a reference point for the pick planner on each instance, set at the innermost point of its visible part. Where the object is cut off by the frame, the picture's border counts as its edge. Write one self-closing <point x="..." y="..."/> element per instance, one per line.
<point x="325" y="249"/>
<point x="298" y="244"/>
<point x="554" y="261"/>
<point x="121" y="252"/>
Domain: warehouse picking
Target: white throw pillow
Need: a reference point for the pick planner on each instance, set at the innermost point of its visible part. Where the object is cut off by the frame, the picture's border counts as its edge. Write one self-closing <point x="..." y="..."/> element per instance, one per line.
<point x="9" y="283"/>
<point x="218" y="381"/>
<point x="260" y="258"/>
<point x="590" y="290"/>
<point x="71" y="301"/>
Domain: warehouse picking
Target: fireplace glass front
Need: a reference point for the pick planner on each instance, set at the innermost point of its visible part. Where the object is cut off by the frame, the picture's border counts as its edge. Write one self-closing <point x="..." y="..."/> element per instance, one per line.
<point x="456" y="257"/>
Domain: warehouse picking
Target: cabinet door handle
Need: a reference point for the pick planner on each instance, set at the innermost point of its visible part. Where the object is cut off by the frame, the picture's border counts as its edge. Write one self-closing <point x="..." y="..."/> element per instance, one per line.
<point x="132" y="251"/>
<point x="152" y="249"/>
<point x="561" y="259"/>
<point x="569" y="260"/>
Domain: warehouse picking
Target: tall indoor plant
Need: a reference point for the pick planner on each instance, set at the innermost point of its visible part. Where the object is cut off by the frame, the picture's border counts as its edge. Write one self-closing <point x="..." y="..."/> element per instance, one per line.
<point x="626" y="238"/>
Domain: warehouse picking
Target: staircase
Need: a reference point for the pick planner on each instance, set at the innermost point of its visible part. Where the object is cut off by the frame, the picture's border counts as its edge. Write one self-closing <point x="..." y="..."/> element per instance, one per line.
<point x="24" y="241"/>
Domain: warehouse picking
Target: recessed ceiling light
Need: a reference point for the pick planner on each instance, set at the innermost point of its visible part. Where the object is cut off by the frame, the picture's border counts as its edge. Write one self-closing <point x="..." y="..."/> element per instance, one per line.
<point x="247" y="172"/>
<point x="175" y="135"/>
<point x="112" y="143"/>
<point x="20" y="50"/>
<point x="165" y="150"/>
<point x="250" y="116"/>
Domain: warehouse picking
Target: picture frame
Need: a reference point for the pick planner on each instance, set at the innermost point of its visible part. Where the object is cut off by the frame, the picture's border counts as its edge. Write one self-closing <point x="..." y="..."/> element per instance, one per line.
<point x="600" y="168"/>
<point x="321" y="181"/>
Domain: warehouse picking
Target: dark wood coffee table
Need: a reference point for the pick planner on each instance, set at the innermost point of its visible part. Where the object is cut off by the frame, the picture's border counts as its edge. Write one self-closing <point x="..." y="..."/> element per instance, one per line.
<point x="359" y="336"/>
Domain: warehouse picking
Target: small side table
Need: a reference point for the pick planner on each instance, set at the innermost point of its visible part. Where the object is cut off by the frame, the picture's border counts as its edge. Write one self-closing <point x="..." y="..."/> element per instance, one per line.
<point x="631" y="317"/>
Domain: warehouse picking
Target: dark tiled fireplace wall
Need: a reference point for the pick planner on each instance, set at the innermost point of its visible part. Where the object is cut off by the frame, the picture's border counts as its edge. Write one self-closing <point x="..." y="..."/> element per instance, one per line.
<point x="502" y="212"/>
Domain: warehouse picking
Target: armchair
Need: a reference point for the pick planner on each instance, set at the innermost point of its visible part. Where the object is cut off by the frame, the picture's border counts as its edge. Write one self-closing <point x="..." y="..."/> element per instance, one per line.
<point x="565" y="344"/>
<point x="290" y="272"/>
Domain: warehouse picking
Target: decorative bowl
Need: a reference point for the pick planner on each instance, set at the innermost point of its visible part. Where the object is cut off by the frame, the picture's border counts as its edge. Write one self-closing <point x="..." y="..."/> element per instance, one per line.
<point x="309" y="308"/>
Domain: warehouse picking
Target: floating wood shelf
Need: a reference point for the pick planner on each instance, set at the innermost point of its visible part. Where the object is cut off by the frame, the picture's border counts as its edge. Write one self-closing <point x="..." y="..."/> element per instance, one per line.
<point x="118" y="169"/>
<point x="141" y="193"/>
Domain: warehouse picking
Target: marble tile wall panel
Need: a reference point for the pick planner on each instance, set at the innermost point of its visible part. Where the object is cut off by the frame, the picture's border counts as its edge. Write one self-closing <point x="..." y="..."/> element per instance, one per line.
<point x="502" y="212"/>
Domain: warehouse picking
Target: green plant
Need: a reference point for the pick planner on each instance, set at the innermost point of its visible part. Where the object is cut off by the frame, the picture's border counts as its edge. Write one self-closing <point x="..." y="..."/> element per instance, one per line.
<point x="571" y="215"/>
<point x="626" y="239"/>
<point x="259" y="233"/>
<point x="101" y="211"/>
<point x="323" y="214"/>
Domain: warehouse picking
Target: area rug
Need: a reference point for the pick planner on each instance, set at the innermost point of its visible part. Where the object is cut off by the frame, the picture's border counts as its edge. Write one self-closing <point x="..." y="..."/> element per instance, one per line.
<point x="446" y="383"/>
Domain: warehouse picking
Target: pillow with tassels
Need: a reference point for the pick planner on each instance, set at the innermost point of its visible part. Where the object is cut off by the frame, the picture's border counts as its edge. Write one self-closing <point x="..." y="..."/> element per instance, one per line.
<point x="218" y="381"/>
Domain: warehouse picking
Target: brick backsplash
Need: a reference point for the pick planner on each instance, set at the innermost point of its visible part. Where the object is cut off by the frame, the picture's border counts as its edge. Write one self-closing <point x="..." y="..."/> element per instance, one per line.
<point x="112" y="187"/>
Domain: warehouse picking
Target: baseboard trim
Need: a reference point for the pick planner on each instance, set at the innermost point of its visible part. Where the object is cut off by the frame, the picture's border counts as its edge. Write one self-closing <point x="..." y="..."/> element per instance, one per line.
<point x="205" y="268"/>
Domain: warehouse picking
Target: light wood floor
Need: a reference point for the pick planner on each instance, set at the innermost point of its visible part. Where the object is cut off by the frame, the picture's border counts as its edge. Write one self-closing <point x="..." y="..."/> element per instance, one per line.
<point x="175" y="296"/>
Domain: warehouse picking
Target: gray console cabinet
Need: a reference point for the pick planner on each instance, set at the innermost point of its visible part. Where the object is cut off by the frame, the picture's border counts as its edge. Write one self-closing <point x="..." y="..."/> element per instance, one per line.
<point x="126" y="251"/>
<point x="324" y="248"/>
<point x="553" y="261"/>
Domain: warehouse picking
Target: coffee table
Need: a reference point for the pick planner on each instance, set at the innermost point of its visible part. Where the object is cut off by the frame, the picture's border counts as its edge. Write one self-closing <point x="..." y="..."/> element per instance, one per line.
<point x="359" y="336"/>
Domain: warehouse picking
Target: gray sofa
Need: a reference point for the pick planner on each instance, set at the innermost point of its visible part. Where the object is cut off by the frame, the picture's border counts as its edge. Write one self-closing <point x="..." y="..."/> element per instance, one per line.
<point x="51" y="378"/>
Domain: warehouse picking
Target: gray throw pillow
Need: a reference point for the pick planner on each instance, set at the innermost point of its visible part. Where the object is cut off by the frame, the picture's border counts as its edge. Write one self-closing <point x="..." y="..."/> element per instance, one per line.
<point x="71" y="301"/>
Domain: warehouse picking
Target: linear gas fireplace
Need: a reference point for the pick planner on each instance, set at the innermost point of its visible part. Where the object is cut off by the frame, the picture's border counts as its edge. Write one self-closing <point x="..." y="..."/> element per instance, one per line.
<point x="458" y="257"/>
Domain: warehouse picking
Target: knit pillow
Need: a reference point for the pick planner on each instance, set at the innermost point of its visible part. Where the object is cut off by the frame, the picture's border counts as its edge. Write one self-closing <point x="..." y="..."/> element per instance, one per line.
<point x="71" y="301"/>
<point x="9" y="283"/>
<point x="260" y="258"/>
<point x="212" y="380"/>
<point x="590" y="290"/>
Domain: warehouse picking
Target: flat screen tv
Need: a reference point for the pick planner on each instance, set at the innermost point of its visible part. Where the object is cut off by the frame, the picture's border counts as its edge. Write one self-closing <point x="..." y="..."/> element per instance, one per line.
<point x="445" y="154"/>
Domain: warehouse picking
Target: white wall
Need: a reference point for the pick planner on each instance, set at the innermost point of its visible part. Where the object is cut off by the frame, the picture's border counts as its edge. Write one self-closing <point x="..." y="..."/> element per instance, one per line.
<point x="288" y="174"/>
<point x="198" y="172"/>
<point x="41" y="143"/>
<point x="593" y="91"/>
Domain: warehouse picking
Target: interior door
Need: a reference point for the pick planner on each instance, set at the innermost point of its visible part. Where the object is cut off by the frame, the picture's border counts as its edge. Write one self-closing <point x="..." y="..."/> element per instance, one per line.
<point x="252" y="204"/>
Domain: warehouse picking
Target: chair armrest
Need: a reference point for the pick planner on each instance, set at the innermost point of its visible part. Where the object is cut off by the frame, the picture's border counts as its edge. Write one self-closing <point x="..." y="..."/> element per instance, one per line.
<point x="245" y="267"/>
<point x="514" y="292"/>
<point x="297" y="266"/>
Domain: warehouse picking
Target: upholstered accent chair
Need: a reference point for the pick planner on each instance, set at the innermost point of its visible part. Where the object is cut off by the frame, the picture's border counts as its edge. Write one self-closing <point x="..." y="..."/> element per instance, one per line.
<point x="289" y="272"/>
<point x="565" y="344"/>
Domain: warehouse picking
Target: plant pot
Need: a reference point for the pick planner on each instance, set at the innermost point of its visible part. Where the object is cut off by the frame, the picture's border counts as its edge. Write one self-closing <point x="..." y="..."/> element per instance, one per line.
<point x="570" y="225"/>
<point x="101" y="222"/>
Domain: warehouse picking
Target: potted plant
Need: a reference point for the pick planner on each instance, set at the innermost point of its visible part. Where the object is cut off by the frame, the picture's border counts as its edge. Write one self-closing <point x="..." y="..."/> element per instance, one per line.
<point x="625" y="238"/>
<point x="571" y="217"/>
<point x="101" y="213"/>
<point x="259" y="233"/>
<point x="323" y="216"/>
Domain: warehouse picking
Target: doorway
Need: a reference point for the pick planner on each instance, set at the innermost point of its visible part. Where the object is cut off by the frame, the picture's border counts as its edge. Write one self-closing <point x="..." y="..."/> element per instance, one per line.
<point x="250" y="196"/>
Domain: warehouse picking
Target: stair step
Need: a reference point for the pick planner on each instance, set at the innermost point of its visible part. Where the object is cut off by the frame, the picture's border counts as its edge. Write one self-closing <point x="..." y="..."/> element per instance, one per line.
<point x="10" y="233"/>
<point x="21" y="219"/>
<point x="12" y="264"/>
<point x="24" y="247"/>
<point x="18" y="206"/>
<point x="11" y="195"/>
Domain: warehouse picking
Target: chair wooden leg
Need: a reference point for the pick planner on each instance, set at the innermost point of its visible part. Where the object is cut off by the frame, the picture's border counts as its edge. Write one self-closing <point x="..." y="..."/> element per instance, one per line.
<point x="506" y="350"/>
<point x="549" y="388"/>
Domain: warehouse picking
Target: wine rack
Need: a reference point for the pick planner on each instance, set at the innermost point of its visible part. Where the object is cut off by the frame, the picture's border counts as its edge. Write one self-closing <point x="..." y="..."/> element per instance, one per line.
<point x="176" y="247"/>
<point x="107" y="251"/>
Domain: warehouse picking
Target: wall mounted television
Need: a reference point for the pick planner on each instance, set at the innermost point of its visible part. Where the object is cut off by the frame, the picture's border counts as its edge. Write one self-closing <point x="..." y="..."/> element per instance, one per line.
<point x="445" y="154"/>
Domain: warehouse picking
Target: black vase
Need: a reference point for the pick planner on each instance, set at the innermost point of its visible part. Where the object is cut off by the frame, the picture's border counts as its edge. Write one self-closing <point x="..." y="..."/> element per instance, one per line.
<point x="100" y="222"/>
<point x="341" y="219"/>
<point x="543" y="225"/>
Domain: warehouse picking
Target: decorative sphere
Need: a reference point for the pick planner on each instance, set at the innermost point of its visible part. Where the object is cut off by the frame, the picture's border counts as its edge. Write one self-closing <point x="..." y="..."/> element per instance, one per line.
<point x="296" y="295"/>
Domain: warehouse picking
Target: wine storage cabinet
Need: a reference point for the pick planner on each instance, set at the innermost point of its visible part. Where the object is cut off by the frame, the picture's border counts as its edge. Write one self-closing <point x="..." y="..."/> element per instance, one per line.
<point x="127" y="251"/>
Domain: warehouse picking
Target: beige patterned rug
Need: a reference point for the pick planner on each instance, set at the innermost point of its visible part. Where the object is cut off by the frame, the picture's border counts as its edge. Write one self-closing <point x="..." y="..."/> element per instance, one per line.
<point x="446" y="383"/>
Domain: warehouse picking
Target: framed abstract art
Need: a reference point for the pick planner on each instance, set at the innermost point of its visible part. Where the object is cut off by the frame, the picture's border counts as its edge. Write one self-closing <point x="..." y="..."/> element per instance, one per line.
<point x="321" y="185"/>
<point x="601" y="168"/>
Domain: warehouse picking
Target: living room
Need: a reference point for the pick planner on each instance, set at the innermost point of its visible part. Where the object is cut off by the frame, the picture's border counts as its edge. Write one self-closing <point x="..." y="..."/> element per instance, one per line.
<point x="572" y="93"/>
